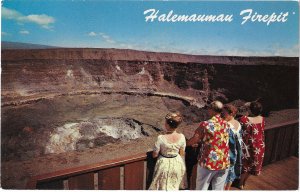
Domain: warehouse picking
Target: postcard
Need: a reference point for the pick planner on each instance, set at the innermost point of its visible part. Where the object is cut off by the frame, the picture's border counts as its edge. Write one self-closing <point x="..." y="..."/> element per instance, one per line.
<point x="138" y="95"/>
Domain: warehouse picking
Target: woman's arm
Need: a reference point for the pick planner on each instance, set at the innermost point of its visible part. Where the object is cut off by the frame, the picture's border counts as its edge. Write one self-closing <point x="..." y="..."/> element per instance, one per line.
<point x="182" y="148"/>
<point x="181" y="152"/>
<point x="156" y="148"/>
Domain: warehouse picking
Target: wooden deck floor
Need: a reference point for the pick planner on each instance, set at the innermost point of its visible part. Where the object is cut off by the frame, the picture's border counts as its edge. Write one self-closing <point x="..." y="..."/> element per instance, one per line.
<point x="282" y="175"/>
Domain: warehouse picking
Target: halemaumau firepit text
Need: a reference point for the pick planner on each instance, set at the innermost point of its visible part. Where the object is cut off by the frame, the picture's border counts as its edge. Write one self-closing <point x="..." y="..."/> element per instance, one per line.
<point x="247" y="16"/>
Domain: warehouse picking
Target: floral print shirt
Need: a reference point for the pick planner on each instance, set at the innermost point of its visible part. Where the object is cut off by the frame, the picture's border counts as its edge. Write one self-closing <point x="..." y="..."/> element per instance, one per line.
<point x="214" y="151"/>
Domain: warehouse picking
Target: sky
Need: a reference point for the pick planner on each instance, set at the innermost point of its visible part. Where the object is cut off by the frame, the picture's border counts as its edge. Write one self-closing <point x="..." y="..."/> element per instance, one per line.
<point x="122" y="24"/>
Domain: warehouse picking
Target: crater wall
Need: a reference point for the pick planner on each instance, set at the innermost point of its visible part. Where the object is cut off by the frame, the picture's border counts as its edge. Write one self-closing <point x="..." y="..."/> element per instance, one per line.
<point x="35" y="73"/>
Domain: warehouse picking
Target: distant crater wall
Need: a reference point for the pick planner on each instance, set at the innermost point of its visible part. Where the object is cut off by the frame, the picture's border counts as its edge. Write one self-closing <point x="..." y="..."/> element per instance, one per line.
<point x="133" y="55"/>
<point x="273" y="80"/>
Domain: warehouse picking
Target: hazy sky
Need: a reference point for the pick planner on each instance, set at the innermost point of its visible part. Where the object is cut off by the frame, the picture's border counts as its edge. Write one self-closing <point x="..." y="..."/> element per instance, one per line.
<point x="121" y="24"/>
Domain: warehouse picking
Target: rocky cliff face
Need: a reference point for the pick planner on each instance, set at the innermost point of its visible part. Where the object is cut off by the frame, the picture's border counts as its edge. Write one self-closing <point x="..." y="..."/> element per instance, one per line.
<point x="28" y="73"/>
<point x="45" y="90"/>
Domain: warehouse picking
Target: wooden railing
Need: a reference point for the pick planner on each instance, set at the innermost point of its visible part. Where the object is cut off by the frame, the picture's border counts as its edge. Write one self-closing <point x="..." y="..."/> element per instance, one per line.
<point x="281" y="141"/>
<point x="136" y="172"/>
<point x="124" y="173"/>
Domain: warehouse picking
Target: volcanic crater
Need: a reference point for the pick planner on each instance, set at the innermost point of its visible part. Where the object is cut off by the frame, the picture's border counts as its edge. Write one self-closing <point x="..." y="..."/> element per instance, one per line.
<point x="93" y="104"/>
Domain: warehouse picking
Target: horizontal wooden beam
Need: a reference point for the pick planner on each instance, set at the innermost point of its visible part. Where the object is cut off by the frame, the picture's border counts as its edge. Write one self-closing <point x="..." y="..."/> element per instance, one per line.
<point x="85" y="169"/>
<point x="278" y="125"/>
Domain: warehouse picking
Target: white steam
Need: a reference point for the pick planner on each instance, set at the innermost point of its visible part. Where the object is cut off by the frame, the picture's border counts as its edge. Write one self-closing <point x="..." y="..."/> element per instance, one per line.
<point x="66" y="137"/>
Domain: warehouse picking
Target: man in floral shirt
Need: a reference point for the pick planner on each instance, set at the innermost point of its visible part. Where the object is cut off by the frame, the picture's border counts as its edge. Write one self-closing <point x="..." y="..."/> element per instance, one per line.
<point x="213" y="158"/>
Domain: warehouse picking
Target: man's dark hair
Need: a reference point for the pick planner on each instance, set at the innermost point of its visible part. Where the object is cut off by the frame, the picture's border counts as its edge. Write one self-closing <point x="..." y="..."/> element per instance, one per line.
<point x="256" y="108"/>
<point x="231" y="109"/>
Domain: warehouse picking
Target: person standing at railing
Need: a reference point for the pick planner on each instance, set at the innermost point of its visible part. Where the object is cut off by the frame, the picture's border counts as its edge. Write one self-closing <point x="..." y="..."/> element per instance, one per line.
<point x="253" y="137"/>
<point x="213" y="135"/>
<point x="169" y="148"/>
<point x="235" y="144"/>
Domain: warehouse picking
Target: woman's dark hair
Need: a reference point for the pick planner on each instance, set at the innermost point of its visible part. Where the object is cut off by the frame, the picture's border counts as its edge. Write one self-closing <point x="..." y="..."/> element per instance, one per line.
<point x="256" y="108"/>
<point x="232" y="110"/>
<point x="173" y="119"/>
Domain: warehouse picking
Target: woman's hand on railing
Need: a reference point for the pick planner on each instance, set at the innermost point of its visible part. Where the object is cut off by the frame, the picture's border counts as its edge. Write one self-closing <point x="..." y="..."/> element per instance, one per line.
<point x="155" y="154"/>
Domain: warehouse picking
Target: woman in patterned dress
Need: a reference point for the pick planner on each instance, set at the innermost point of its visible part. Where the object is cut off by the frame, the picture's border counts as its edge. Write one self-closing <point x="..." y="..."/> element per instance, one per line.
<point x="253" y="137"/>
<point x="169" y="148"/>
<point x="235" y="143"/>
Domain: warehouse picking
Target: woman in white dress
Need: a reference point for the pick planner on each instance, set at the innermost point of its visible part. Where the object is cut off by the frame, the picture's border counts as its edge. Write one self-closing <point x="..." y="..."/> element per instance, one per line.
<point x="169" y="148"/>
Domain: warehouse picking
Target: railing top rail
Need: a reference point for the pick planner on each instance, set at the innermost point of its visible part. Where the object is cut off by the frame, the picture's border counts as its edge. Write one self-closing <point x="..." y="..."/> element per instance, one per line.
<point x="278" y="125"/>
<point x="86" y="168"/>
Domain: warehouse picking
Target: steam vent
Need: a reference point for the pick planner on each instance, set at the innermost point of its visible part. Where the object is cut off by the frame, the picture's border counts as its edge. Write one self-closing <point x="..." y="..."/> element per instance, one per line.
<point x="63" y="108"/>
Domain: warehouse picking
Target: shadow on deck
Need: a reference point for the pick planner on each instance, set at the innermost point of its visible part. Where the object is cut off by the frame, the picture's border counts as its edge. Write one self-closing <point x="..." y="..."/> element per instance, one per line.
<point x="280" y="171"/>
